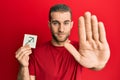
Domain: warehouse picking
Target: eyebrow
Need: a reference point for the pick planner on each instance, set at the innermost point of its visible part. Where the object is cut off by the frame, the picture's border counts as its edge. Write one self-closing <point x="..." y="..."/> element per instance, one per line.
<point x="67" y="21"/>
<point x="54" y="21"/>
<point x="59" y="22"/>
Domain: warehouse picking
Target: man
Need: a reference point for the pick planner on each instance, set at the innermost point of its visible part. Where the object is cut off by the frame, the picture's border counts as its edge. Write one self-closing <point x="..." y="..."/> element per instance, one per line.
<point x="60" y="58"/>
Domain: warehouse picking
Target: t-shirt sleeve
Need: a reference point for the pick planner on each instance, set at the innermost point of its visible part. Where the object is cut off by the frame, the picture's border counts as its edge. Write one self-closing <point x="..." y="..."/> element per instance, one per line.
<point x="32" y="64"/>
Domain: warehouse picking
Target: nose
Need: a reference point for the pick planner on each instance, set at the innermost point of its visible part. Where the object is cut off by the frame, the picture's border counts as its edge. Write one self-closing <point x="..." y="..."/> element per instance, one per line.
<point x="61" y="28"/>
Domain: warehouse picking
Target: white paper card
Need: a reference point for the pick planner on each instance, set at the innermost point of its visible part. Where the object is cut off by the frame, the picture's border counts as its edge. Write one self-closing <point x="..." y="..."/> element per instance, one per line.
<point x="30" y="40"/>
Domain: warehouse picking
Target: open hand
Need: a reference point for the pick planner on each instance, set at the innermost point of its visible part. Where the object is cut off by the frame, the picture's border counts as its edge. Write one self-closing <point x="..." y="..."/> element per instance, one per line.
<point x="94" y="50"/>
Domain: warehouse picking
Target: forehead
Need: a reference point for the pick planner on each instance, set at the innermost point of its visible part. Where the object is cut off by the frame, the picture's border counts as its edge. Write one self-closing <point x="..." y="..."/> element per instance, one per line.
<point x="61" y="16"/>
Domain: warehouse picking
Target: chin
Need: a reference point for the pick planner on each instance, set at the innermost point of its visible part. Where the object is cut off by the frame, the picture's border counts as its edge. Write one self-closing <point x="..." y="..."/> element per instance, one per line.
<point x="61" y="40"/>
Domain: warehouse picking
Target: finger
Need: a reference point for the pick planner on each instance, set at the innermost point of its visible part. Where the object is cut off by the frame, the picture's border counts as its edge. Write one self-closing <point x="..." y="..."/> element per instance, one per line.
<point x="88" y="25"/>
<point x="81" y="28"/>
<point x="23" y="57"/>
<point x="25" y="53"/>
<point x="102" y="33"/>
<point x="27" y="46"/>
<point x="68" y="41"/>
<point x="95" y="28"/>
<point x="22" y="49"/>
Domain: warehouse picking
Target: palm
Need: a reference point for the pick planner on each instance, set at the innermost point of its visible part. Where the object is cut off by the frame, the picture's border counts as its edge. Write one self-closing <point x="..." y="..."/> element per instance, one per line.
<point x="94" y="53"/>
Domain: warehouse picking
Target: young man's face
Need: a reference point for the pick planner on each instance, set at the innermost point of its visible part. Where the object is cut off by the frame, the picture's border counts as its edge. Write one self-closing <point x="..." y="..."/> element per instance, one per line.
<point x="60" y="25"/>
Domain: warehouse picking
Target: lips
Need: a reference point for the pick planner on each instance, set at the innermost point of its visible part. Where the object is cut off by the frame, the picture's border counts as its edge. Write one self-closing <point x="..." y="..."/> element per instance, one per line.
<point x="61" y="34"/>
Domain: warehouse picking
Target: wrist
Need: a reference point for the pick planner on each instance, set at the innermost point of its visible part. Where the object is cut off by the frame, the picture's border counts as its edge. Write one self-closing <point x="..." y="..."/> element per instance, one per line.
<point x="98" y="67"/>
<point x="23" y="67"/>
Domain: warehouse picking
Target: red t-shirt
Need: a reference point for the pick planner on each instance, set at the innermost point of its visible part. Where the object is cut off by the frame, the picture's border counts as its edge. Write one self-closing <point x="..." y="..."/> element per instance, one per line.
<point x="50" y="62"/>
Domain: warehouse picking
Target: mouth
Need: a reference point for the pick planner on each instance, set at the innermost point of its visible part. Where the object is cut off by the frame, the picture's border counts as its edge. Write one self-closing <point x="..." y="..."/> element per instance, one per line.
<point x="60" y="34"/>
<point x="60" y="37"/>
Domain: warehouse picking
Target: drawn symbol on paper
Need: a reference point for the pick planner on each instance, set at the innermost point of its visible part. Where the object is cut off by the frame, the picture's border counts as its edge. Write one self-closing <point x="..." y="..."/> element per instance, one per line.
<point x="30" y="40"/>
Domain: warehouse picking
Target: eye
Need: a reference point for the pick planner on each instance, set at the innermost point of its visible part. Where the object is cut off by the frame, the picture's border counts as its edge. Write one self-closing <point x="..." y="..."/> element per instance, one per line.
<point x="66" y="23"/>
<point x="55" y="23"/>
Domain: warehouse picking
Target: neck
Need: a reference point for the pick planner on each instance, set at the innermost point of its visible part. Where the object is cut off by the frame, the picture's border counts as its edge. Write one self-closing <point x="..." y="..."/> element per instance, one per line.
<point x="55" y="43"/>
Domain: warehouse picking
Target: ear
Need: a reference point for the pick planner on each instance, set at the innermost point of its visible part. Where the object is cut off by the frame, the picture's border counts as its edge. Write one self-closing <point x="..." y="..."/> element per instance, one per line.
<point x="49" y="23"/>
<point x="71" y="24"/>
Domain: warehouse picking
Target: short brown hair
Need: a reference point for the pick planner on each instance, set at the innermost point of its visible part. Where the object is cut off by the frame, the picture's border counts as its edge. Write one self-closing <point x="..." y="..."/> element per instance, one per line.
<point x="59" y="8"/>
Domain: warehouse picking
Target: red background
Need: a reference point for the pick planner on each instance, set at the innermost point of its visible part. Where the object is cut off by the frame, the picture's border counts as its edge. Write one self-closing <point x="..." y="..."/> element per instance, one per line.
<point x="18" y="17"/>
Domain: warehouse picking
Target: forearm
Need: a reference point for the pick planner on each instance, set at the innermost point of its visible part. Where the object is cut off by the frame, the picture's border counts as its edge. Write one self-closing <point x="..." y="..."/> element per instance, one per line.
<point x="23" y="74"/>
